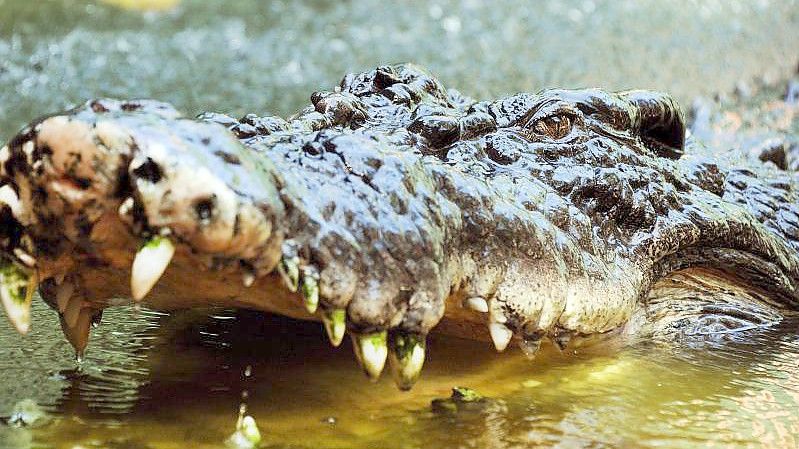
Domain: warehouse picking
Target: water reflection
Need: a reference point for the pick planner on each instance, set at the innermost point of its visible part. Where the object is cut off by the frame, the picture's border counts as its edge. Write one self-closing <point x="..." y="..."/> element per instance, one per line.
<point x="160" y="380"/>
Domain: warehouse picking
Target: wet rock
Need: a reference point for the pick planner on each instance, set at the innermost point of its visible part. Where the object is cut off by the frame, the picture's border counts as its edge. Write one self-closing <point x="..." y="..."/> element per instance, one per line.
<point x="462" y="399"/>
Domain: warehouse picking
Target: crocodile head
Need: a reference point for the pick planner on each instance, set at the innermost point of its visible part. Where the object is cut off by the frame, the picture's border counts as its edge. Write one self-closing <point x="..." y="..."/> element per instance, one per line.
<point x="392" y="206"/>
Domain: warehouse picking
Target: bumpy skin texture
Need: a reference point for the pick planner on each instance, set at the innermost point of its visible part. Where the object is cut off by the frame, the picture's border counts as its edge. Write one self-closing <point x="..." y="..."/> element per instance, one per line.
<point x="562" y="209"/>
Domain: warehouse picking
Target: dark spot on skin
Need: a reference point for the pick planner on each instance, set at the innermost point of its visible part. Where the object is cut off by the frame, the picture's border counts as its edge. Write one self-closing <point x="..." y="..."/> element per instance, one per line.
<point x="205" y="141"/>
<point x="83" y="225"/>
<point x="313" y="148"/>
<point x="16" y="163"/>
<point x="228" y="157"/>
<point x="150" y="171"/>
<point x="83" y="183"/>
<point x="98" y="107"/>
<point x="237" y="225"/>
<point x="12" y="229"/>
<point x="204" y="208"/>
<point x="123" y="187"/>
<point x="130" y="107"/>
<point x="41" y="151"/>
<point x="139" y="217"/>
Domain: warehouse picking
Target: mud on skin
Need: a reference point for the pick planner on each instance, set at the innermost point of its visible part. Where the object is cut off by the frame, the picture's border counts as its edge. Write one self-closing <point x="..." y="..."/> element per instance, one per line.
<point x="392" y="206"/>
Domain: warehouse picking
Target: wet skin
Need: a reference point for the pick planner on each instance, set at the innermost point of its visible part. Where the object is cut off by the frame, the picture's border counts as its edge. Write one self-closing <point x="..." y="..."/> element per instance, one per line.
<point x="395" y="206"/>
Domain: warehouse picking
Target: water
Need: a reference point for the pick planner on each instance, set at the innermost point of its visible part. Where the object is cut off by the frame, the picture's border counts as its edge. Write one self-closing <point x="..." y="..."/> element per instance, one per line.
<point x="160" y="382"/>
<point x="156" y="381"/>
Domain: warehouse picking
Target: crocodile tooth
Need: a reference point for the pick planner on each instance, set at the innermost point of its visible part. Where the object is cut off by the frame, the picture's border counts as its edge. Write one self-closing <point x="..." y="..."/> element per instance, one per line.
<point x="476" y="303"/>
<point x="371" y="351"/>
<point x="77" y="333"/>
<point x="72" y="311"/>
<point x="310" y="289"/>
<point x="62" y="295"/>
<point x="500" y="334"/>
<point x="16" y="291"/>
<point x="406" y="357"/>
<point x="149" y="264"/>
<point x="335" y="325"/>
<point x="248" y="279"/>
<point x="289" y="269"/>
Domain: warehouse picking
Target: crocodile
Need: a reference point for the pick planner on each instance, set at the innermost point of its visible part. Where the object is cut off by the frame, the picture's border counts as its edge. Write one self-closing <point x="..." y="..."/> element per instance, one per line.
<point x="392" y="205"/>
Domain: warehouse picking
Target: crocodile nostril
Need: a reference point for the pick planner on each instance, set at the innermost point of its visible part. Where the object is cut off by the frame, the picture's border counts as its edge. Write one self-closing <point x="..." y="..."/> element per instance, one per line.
<point x="149" y="170"/>
<point x="204" y="208"/>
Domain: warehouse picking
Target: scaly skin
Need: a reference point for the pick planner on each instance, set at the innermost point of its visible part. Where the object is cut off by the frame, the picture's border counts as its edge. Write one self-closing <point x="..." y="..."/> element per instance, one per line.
<point x="406" y="206"/>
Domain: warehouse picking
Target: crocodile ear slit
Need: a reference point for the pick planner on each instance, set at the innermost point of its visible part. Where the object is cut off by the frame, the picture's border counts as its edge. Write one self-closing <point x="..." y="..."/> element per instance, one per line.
<point x="659" y="122"/>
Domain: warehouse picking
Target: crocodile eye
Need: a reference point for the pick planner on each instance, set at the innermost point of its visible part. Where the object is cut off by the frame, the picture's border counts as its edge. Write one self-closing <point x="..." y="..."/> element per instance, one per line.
<point x="555" y="126"/>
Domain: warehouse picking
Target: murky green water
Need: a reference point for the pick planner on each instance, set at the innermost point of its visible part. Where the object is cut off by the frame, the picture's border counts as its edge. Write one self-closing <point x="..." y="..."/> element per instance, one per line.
<point x="157" y="381"/>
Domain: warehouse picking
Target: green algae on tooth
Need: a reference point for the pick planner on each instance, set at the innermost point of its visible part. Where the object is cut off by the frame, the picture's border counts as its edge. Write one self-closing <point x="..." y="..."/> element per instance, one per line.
<point x="335" y="324"/>
<point x="16" y="291"/>
<point x="371" y="350"/>
<point x="406" y="357"/>
<point x="289" y="269"/>
<point x="148" y="266"/>
<point x="310" y="289"/>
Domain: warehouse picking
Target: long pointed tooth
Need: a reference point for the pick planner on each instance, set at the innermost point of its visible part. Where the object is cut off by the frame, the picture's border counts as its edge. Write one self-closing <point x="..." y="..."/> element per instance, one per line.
<point x="310" y="289"/>
<point x="77" y="333"/>
<point x="476" y="303"/>
<point x="335" y="325"/>
<point x="289" y="269"/>
<point x="406" y="357"/>
<point x="148" y="266"/>
<point x="500" y="334"/>
<point x="63" y="294"/>
<point x="371" y="351"/>
<point x="16" y="291"/>
<point x="72" y="311"/>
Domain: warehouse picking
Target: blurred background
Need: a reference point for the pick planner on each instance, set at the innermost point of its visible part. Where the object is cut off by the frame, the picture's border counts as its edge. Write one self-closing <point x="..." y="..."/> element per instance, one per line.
<point x="152" y="380"/>
<point x="238" y="56"/>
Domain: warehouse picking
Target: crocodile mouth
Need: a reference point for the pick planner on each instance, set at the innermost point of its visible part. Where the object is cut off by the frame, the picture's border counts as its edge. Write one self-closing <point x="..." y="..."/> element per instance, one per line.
<point x="373" y="213"/>
<point x="126" y="201"/>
